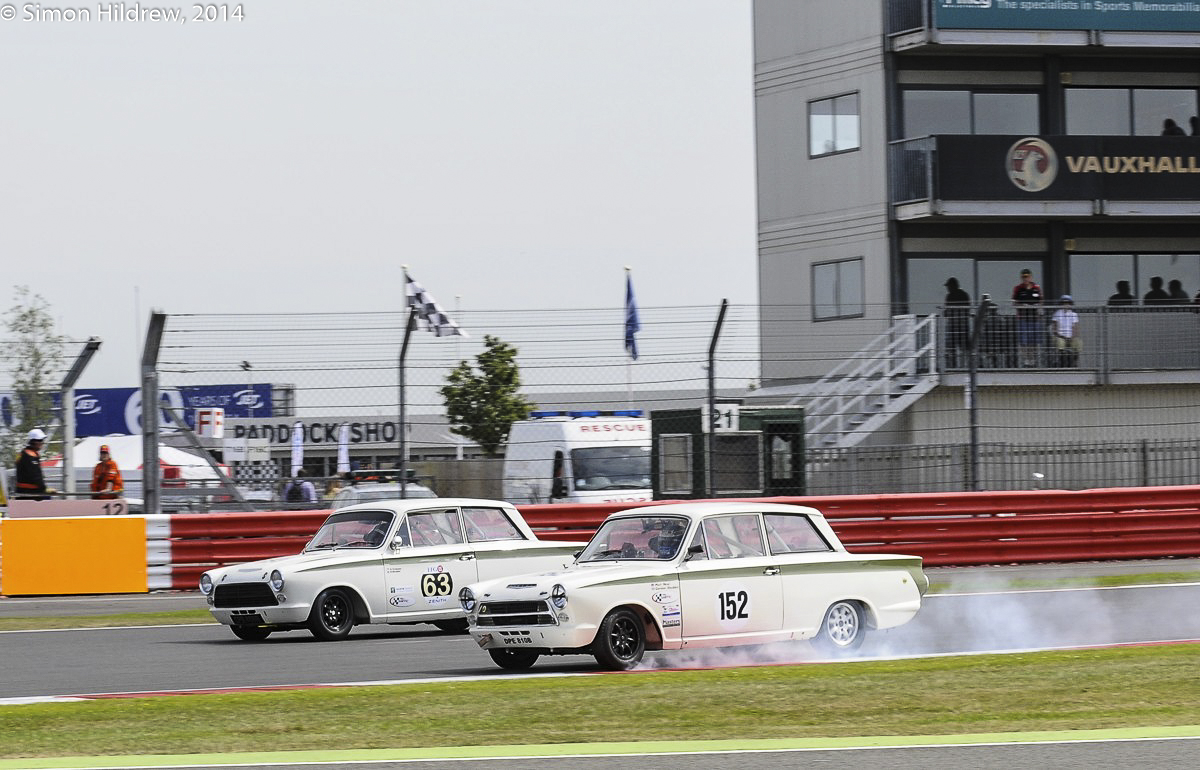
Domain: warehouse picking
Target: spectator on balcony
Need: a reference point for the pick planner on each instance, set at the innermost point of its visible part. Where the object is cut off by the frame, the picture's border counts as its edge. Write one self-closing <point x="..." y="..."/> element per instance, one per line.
<point x="1064" y="325"/>
<point x="1027" y="297"/>
<point x="1171" y="128"/>
<point x="1157" y="295"/>
<point x="1123" y="296"/>
<point x="1176" y="293"/>
<point x="958" y="311"/>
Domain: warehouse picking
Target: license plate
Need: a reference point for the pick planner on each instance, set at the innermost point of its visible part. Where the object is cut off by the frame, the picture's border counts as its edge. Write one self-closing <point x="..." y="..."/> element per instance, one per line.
<point x="247" y="620"/>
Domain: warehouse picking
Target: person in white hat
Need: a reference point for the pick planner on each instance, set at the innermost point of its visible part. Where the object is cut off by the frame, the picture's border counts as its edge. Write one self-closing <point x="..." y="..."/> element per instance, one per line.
<point x="1064" y="325"/>
<point x="31" y="484"/>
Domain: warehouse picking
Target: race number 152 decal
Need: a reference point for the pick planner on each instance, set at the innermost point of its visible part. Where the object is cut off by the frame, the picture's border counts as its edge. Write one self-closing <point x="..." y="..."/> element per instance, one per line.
<point x="733" y="604"/>
<point x="436" y="584"/>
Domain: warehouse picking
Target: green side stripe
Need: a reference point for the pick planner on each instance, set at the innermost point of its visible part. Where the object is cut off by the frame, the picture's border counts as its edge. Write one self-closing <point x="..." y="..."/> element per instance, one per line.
<point x="565" y="749"/>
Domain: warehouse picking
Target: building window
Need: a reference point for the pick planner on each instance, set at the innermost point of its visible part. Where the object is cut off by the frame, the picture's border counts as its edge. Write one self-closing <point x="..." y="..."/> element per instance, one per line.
<point x="837" y="289"/>
<point x="1127" y="111"/>
<point x="929" y="112"/>
<point x="833" y="125"/>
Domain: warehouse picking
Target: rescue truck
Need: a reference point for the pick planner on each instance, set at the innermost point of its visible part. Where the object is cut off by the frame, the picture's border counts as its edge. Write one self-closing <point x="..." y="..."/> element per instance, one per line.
<point x="578" y="457"/>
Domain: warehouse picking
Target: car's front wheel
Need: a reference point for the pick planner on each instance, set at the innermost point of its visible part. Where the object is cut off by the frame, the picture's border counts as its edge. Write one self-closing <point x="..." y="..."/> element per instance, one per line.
<point x="250" y="633"/>
<point x="621" y="640"/>
<point x="514" y="660"/>
<point x="457" y="626"/>
<point x="332" y="615"/>
<point x="843" y="629"/>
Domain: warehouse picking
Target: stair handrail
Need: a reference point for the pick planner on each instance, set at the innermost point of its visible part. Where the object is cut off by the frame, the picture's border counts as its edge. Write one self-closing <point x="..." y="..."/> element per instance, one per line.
<point x="869" y="374"/>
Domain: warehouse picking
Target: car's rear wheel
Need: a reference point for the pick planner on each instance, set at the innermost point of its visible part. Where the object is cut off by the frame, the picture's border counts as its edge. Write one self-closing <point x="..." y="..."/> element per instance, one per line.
<point x="332" y="615"/>
<point x="457" y="626"/>
<point x="250" y="633"/>
<point x="843" y="629"/>
<point x="514" y="660"/>
<point x="621" y="640"/>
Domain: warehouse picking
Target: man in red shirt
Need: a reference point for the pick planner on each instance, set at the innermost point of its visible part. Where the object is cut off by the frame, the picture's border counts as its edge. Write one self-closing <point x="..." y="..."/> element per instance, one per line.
<point x="107" y="483"/>
<point x="1027" y="297"/>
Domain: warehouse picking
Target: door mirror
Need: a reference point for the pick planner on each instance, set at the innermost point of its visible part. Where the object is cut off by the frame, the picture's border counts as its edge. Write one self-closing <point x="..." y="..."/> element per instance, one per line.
<point x="693" y="550"/>
<point x="558" y="488"/>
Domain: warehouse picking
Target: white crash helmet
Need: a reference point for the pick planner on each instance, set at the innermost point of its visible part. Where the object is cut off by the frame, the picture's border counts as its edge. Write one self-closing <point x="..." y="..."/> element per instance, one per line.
<point x="37" y="434"/>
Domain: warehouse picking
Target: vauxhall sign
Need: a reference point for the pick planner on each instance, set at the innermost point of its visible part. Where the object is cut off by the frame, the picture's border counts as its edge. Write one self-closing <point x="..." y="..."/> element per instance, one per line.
<point x="1149" y="168"/>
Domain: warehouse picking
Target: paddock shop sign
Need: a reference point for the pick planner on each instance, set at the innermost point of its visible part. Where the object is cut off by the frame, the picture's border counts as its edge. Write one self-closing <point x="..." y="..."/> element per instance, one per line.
<point x="316" y="432"/>
<point x="1129" y="168"/>
<point x="1125" y="15"/>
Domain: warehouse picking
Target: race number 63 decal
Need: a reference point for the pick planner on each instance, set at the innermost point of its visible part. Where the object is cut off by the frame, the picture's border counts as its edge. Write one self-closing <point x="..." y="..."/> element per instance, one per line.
<point x="437" y="584"/>
<point x="732" y="604"/>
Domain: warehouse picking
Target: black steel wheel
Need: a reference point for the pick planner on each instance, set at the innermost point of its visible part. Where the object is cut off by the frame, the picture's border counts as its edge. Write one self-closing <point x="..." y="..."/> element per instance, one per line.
<point x="332" y="615"/>
<point x="843" y="629"/>
<point x="621" y="640"/>
<point x="250" y="633"/>
<point x="456" y="626"/>
<point x="514" y="660"/>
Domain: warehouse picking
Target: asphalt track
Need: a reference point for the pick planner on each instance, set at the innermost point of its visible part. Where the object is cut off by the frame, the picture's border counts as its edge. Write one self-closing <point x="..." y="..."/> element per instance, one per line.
<point x="977" y="617"/>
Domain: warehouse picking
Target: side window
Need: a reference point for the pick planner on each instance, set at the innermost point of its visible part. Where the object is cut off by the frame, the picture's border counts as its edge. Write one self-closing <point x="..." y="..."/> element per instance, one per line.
<point x="402" y="534"/>
<point x="487" y="524"/>
<point x="439" y="527"/>
<point x="733" y="537"/>
<point x="793" y="533"/>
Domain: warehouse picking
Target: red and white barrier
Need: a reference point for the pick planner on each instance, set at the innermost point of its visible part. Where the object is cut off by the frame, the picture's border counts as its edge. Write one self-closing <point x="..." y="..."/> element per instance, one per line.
<point x="945" y="529"/>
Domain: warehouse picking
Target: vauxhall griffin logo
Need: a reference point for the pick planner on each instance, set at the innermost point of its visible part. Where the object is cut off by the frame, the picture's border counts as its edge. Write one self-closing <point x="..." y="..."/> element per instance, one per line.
<point x="1032" y="164"/>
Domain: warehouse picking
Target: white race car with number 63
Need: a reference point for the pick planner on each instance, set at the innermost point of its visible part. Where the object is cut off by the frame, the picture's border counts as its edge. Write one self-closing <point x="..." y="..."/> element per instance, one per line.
<point x="689" y="575"/>
<point x="390" y="561"/>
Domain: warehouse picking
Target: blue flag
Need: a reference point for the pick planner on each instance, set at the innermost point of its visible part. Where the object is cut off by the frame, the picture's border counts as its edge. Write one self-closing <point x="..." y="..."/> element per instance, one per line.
<point x="632" y="325"/>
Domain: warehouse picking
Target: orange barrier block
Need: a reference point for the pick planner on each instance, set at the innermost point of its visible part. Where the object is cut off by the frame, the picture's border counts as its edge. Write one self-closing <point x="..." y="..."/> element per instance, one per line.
<point x="94" y="555"/>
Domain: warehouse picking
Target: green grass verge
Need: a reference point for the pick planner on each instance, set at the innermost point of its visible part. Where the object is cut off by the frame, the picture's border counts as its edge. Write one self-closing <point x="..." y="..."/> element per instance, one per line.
<point x="1060" y="690"/>
<point x="108" y="621"/>
<point x="1098" y="581"/>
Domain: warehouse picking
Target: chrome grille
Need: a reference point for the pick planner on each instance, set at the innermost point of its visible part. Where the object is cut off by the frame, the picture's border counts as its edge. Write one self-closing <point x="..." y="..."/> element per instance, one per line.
<point x="515" y="614"/>
<point x="244" y="595"/>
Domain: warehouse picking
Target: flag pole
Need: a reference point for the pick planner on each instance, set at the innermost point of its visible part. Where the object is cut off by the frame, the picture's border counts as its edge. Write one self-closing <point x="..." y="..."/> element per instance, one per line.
<point x="631" y="325"/>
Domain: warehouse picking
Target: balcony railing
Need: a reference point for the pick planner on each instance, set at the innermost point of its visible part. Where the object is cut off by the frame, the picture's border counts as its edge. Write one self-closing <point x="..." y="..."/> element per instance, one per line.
<point x="1113" y="339"/>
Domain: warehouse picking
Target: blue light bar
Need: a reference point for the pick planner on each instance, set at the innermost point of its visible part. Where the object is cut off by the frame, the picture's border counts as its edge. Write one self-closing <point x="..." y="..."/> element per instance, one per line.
<point x="627" y="413"/>
<point x="536" y="415"/>
<point x="587" y="413"/>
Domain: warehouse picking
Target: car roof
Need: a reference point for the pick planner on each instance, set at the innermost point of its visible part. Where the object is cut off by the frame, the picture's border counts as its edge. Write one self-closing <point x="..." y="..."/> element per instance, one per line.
<point x="422" y="503"/>
<point x="715" y="507"/>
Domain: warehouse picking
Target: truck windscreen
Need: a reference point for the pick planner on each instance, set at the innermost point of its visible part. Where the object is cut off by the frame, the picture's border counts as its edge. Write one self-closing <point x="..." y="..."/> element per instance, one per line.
<point x="611" y="467"/>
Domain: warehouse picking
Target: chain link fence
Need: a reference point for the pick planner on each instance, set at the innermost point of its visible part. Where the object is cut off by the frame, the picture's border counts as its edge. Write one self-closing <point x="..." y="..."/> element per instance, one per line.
<point x="329" y="373"/>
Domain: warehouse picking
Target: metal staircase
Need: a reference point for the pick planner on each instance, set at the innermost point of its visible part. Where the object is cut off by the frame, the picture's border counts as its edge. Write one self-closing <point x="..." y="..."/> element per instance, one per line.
<point x="867" y="390"/>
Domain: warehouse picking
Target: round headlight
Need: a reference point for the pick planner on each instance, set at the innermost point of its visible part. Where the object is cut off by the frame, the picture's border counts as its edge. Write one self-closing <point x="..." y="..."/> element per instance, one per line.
<point x="467" y="600"/>
<point x="276" y="580"/>
<point x="205" y="584"/>
<point x="558" y="596"/>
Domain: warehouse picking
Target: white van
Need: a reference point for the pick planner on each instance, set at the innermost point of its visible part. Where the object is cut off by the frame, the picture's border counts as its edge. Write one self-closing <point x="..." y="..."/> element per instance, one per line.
<point x="578" y="457"/>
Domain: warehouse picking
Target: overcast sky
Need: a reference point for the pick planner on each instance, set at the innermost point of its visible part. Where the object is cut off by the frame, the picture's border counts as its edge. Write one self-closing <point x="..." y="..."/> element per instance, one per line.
<point x="514" y="153"/>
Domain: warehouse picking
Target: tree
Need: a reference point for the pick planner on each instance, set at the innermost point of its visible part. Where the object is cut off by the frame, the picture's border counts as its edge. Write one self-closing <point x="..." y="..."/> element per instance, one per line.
<point x="483" y="405"/>
<point x="36" y="354"/>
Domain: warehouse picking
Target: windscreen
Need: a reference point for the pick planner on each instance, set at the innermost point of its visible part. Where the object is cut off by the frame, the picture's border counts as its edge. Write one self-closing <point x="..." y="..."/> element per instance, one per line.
<point x="656" y="538"/>
<point x="611" y="467"/>
<point x="360" y="529"/>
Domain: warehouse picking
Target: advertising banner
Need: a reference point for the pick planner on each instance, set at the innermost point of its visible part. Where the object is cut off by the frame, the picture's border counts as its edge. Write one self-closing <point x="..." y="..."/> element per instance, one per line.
<point x="1129" y="168"/>
<point x="105" y="411"/>
<point x="1068" y="14"/>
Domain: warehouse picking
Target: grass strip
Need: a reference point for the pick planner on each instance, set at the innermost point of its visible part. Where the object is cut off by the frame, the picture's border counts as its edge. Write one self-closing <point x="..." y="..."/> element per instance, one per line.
<point x="938" y="586"/>
<point x="1060" y="690"/>
<point x="108" y="621"/>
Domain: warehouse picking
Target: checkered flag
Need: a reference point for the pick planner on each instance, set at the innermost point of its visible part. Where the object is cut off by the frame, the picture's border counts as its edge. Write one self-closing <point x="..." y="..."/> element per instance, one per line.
<point x="431" y="315"/>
